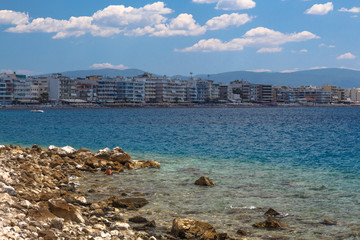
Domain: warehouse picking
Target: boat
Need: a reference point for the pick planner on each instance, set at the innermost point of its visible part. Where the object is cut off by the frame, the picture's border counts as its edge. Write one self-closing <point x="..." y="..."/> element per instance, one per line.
<point x="37" y="111"/>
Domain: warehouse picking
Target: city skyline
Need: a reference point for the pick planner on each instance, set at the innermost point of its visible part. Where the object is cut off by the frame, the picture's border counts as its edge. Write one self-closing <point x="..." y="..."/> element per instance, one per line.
<point x="179" y="37"/>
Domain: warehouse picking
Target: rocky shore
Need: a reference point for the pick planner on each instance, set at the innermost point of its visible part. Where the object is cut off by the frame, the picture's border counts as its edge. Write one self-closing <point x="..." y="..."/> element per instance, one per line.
<point x="38" y="199"/>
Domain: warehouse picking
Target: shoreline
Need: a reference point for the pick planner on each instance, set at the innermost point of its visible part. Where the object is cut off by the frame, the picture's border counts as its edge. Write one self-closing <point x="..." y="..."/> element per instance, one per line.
<point x="39" y="187"/>
<point x="39" y="198"/>
<point x="174" y="105"/>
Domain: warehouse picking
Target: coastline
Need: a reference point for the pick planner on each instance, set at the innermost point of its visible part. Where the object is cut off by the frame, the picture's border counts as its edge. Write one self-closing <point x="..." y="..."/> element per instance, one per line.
<point x="174" y="105"/>
<point x="39" y="198"/>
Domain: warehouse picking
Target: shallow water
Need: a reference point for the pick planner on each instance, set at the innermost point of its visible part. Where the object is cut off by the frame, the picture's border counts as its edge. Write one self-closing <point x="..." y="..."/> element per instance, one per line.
<point x="303" y="162"/>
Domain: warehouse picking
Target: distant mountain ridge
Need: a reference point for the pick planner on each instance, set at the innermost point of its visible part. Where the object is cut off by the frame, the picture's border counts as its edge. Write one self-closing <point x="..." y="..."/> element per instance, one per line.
<point x="344" y="78"/>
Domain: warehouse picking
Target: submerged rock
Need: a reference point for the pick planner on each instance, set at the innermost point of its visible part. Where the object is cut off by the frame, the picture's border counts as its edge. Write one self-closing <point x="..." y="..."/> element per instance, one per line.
<point x="204" y="181"/>
<point x="192" y="229"/>
<point x="271" y="213"/>
<point x="130" y="203"/>
<point x="271" y="224"/>
<point x="328" y="222"/>
<point x="138" y="219"/>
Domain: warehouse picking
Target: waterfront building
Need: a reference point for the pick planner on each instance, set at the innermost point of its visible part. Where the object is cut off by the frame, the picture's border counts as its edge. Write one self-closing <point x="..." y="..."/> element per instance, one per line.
<point x="282" y="94"/>
<point x="353" y="94"/>
<point x="225" y="93"/>
<point x="311" y="94"/>
<point x="130" y="90"/>
<point x="86" y="90"/>
<point x="169" y="90"/>
<point x="106" y="89"/>
<point x="336" y="94"/>
<point x="6" y="88"/>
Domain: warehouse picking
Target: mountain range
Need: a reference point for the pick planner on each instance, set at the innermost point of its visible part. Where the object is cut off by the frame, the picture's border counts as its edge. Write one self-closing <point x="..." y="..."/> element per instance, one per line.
<point x="344" y="78"/>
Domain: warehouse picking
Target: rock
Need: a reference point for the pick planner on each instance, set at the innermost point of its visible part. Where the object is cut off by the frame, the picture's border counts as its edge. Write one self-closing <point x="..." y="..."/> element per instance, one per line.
<point x="40" y="211"/>
<point x="75" y="198"/>
<point x="7" y="189"/>
<point x="192" y="229"/>
<point x="150" y="164"/>
<point x="120" y="226"/>
<point x="271" y="224"/>
<point x="56" y="223"/>
<point x="271" y="213"/>
<point x="204" y="181"/>
<point x="63" y="152"/>
<point x="47" y="235"/>
<point x="61" y="208"/>
<point x="138" y="219"/>
<point x="329" y="222"/>
<point x="130" y="203"/>
<point x="242" y="232"/>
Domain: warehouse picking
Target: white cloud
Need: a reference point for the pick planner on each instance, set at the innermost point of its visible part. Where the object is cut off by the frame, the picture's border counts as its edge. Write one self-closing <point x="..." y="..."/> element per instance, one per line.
<point x="269" y="50"/>
<point x="184" y="25"/>
<point x="320" y="9"/>
<point x="351" y="10"/>
<point x="230" y="4"/>
<point x="119" y="15"/>
<point x="258" y="37"/>
<point x="346" y="56"/>
<point x="290" y="70"/>
<point x="109" y="65"/>
<point x="260" y="70"/>
<point x="118" y="19"/>
<point x="226" y="20"/>
<point x="317" y="68"/>
<point x="11" y="17"/>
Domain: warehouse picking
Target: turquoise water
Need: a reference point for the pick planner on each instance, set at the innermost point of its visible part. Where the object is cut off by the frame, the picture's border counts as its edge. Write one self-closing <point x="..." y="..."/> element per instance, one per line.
<point x="304" y="162"/>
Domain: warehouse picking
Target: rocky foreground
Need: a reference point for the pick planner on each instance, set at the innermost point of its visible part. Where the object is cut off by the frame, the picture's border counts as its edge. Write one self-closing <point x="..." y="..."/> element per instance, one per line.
<point x="39" y="201"/>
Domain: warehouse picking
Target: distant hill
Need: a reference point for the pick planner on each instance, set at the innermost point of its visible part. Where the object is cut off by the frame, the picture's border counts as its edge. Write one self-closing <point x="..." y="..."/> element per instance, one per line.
<point x="344" y="78"/>
<point x="102" y="72"/>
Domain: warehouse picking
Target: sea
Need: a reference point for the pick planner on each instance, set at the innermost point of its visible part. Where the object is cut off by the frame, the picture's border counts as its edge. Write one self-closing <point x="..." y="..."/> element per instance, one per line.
<point x="302" y="162"/>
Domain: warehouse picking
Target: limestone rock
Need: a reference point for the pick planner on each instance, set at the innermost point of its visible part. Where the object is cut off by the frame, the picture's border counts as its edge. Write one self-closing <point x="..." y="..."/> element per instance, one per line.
<point x="271" y="213"/>
<point x="271" y="224"/>
<point x="328" y="222"/>
<point x="192" y="229"/>
<point x="57" y="223"/>
<point x="7" y="189"/>
<point x="204" y="181"/>
<point x="130" y="203"/>
<point x="120" y="226"/>
<point x="61" y="208"/>
<point x="138" y="219"/>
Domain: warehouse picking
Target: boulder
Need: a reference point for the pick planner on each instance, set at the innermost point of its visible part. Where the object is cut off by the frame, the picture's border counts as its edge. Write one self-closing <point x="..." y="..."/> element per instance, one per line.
<point x="61" y="208"/>
<point x="41" y="212"/>
<point x="192" y="229"/>
<point x="7" y="189"/>
<point x="271" y="213"/>
<point x="150" y="164"/>
<point x="270" y="224"/>
<point x="138" y="219"/>
<point x="63" y="152"/>
<point x="130" y="203"/>
<point x="204" y="181"/>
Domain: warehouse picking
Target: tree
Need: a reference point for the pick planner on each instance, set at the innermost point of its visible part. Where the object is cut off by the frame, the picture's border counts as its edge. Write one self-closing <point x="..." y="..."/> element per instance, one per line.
<point x="44" y="97"/>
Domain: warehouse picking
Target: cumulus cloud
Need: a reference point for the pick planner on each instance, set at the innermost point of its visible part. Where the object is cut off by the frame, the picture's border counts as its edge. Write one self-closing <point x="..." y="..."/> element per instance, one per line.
<point x="346" y="56"/>
<point x="320" y="9"/>
<point x="118" y="19"/>
<point x="230" y="4"/>
<point x="109" y="65"/>
<point x="258" y="37"/>
<point x="11" y="17"/>
<point x="226" y="20"/>
<point x="351" y="10"/>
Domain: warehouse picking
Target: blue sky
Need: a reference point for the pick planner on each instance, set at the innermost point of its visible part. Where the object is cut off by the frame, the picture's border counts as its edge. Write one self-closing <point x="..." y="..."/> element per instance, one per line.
<point x="179" y="36"/>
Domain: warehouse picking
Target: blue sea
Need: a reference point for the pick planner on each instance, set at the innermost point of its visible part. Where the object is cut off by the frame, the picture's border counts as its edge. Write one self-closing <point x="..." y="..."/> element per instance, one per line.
<point x="303" y="162"/>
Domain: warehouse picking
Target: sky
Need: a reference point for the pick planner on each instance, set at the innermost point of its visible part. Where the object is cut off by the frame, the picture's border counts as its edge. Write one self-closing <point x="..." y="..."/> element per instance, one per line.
<point x="179" y="36"/>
